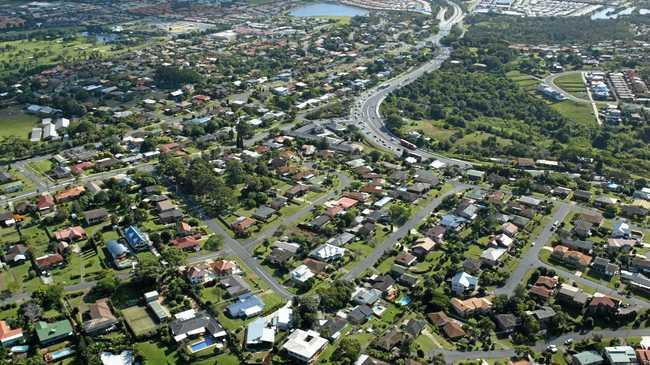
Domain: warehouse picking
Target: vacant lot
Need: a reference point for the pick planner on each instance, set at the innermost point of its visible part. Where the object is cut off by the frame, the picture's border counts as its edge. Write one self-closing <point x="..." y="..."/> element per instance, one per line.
<point x="138" y="320"/>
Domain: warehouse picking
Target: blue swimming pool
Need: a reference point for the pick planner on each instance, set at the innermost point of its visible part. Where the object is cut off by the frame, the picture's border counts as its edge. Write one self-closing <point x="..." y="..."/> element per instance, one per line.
<point x="206" y="342"/>
<point x="404" y="301"/>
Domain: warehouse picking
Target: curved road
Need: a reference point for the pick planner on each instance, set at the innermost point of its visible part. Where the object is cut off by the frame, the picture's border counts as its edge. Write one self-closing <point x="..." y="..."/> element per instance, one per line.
<point x="365" y="112"/>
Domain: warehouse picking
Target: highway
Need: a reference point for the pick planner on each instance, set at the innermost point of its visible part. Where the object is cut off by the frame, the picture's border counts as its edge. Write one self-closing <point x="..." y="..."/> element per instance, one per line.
<point x="365" y="111"/>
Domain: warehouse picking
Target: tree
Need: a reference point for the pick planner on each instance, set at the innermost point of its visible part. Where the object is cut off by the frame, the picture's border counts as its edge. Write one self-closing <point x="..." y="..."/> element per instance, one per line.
<point x="399" y="214"/>
<point x="108" y="283"/>
<point x="336" y="296"/>
<point x="214" y="243"/>
<point x="174" y="256"/>
<point x="348" y="350"/>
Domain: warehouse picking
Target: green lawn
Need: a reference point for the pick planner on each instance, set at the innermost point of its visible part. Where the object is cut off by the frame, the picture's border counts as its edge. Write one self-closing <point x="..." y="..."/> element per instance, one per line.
<point x="572" y="84"/>
<point x="155" y="354"/>
<point x="579" y="112"/>
<point x="15" y="122"/>
<point x="41" y="166"/>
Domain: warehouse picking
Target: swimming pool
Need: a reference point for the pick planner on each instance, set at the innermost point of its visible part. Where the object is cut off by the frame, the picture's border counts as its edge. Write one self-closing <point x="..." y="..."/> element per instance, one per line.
<point x="206" y="342"/>
<point x="404" y="301"/>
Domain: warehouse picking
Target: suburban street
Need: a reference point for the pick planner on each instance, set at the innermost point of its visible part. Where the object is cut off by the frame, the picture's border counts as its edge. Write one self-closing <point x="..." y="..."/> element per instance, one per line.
<point x="401" y="232"/>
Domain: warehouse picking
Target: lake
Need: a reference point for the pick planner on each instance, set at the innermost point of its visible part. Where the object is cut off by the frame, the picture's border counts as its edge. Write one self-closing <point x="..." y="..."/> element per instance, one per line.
<point x="608" y="13"/>
<point x="327" y="9"/>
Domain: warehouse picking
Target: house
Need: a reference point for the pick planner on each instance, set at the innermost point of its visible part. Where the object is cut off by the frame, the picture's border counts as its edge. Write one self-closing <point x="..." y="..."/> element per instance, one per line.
<point x="341" y="239"/>
<point x="506" y="322"/>
<point x="621" y="355"/>
<point x="493" y="256"/>
<point x="317" y="267"/>
<point x="602" y="305"/>
<point x="138" y="240"/>
<point x="301" y="275"/>
<point x="582" y="195"/>
<point x="199" y="275"/>
<point x="332" y="328"/>
<point x="423" y="246"/>
<point x="621" y="229"/>
<point x="405" y="259"/>
<point x="245" y="306"/>
<point x="587" y="358"/>
<point x="471" y="306"/>
<point x="463" y="283"/>
<point x="49" y="261"/>
<point x="70" y="234"/>
<point x="186" y="243"/>
<point x="51" y="333"/>
<point x="572" y="258"/>
<point x="452" y="328"/>
<point x="304" y="346"/>
<point x="573" y="296"/>
<point x="165" y="205"/>
<point x="582" y="228"/>
<point x="101" y="318"/>
<point x="192" y="324"/>
<point x="366" y="296"/>
<point x="279" y="256"/>
<point x="620" y="244"/>
<point x="9" y="336"/>
<point x="644" y="356"/>
<point x="414" y="327"/>
<point x="263" y="213"/>
<point x="223" y="268"/>
<point x="390" y="340"/>
<point x="242" y="224"/>
<point x="160" y="312"/>
<point x="360" y="314"/>
<point x="16" y="254"/>
<point x="95" y="216"/>
<point x="120" y="255"/>
<point x="327" y="252"/>
<point x="235" y="286"/>
<point x="383" y="283"/>
<point x="509" y="229"/>
<point x="170" y="216"/>
<point x="544" y="287"/>
<point x="544" y="315"/>
<point x="70" y="194"/>
<point x="436" y="233"/>
<point x="453" y="222"/>
<point x="472" y="266"/>
<point x="603" y="267"/>
<point x="260" y="334"/>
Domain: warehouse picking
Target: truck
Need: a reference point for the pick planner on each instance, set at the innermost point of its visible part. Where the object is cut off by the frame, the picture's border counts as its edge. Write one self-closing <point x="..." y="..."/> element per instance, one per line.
<point x="407" y="144"/>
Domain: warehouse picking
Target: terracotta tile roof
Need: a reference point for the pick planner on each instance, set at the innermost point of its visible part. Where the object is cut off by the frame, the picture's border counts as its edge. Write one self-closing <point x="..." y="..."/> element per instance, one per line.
<point x="7" y="333"/>
<point x="70" y="193"/>
<point x="547" y="282"/>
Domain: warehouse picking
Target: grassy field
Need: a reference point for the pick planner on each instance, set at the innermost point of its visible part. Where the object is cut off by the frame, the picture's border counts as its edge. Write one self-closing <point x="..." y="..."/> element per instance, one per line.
<point x="139" y="321"/>
<point x="526" y="82"/>
<point x="581" y="113"/>
<point x="42" y="166"/>
<point x="15" y="122"/>
<point x="573" y="84"/>
<point x="153" y="353"/>
<point x="342" y="20"/>
<point x="29" y="54"/>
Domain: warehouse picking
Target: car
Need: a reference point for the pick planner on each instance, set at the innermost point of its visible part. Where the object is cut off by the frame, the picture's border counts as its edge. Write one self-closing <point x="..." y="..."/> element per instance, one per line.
<point x="568" y="341"/>
<point x="532" y="244"/>
<point x="551" y="348"/>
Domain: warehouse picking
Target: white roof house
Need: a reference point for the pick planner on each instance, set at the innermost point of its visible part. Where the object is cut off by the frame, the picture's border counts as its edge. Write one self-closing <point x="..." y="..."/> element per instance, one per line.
<point x="462" y="282"/>
<point x="327" y="252"/>
<point x="493" y="255"/>
<point x="49" y="132"/>
<point x="304" y="346"/>
<point x="301" y="274"/>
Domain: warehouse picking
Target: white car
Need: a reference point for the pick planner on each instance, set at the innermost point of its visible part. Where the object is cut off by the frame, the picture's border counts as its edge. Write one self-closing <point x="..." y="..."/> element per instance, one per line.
<point x="551" y="348"/>
<point x="532" y="244"/>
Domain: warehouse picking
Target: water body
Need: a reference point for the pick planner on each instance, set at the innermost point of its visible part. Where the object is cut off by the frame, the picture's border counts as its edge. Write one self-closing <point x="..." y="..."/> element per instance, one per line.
<point x="327" y="9"/>
<point x="608" y="13"/>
